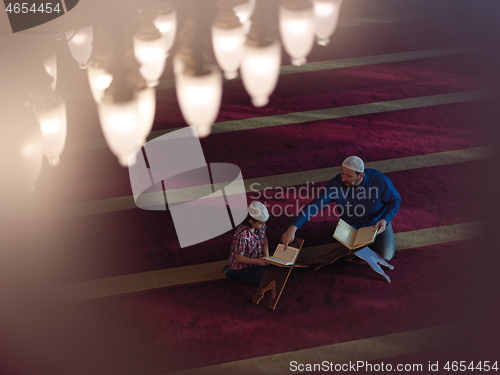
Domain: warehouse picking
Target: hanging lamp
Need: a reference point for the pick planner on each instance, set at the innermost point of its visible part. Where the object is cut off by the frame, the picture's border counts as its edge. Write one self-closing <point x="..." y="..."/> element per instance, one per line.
<point x="149" y="48"/>
<point x="97" y="70"/>
<point x="326" y="16"/>
<point x="50" y="64"/>
<point x="50" y="110"/>
<point x="199" y="83"/>
<point x="80" y="45"/>
<point x="228" y="38"/>
<point x="244" y="10"/>
<point x="119" y="115"/>
<point x="296" y="21"/>
<point x="260" y="66"/>
<point x="166" y="22"/>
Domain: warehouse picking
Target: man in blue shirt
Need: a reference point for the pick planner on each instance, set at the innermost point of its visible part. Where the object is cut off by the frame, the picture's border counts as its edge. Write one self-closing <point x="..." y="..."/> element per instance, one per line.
<point x="363" y="198"/>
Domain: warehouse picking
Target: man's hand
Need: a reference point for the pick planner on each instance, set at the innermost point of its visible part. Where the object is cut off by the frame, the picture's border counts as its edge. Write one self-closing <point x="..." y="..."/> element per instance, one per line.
<point x="289" y="235"/>
<point x="373" y="259"/>
<point x="381" y="225"/>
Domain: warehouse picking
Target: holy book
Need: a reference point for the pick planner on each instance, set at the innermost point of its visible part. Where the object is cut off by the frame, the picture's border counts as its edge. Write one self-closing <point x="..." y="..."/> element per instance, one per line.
<point x="282" y="257"/>
<point x="354" y="239"/>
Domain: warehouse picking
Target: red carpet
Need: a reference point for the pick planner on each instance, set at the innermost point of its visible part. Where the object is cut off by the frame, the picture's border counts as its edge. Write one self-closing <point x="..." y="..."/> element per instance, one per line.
<point x="215" y="322"/>
<point x="96" y="174"/>
<point x="194" y="325"/>
<point x="100" y="246"/>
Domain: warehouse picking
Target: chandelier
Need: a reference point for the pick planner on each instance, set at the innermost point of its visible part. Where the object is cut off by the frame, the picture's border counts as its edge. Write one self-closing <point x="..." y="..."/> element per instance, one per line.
<point x="125" y="62"/>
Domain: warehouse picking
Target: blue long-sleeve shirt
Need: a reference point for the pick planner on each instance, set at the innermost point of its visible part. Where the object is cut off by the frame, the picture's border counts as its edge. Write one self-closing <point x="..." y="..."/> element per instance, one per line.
<point x="374" y="200"/>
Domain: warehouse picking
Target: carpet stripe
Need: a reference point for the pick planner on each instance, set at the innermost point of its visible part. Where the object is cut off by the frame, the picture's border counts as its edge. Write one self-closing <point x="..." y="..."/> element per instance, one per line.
<point x="352" y="110"/>
<point x="381" y="19"/>
<point x="374" y="348"/>
<point x="253" y="123"/>
<point x="99" y="206"/>
<point x="357" y="61"/>
<point x="212" y="271"/>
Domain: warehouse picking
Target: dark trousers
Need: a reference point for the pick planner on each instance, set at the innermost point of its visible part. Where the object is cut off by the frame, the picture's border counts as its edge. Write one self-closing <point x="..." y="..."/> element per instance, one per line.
<point x="252" y="275"/>
<point x="384" y="244"/>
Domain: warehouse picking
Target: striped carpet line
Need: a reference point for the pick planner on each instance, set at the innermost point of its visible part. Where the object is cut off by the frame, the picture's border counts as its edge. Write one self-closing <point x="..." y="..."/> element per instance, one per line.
<point x="213" y="271"/>
<point x="98" y="143"/>
<point x="391" y="18"/>
<point x="260" y="184"/>
<point x="370" y="349"/>
<point x="358" y="61"/>
<point x="351" y="110"/>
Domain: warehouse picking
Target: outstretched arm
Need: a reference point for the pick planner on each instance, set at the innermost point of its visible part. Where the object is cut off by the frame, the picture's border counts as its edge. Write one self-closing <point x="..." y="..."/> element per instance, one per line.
<point x="305" y="213"/>
<point x="289" y="235"/>
<point x="392" y="201"/>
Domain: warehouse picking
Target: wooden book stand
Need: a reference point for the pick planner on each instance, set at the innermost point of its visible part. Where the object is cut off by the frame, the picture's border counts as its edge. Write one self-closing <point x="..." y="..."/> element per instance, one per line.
<point x="315" y="257"/>
<point x="275" y="279"/>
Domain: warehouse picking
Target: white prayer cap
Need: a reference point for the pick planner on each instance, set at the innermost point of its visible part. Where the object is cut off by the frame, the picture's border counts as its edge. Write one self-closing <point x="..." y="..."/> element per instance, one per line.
<point x="258" y="211"/>
<point x="355" y="163"/>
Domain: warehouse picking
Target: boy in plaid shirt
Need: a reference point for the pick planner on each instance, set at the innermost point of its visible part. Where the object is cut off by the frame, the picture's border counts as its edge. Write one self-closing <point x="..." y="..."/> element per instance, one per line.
<point x="249" y="247"/>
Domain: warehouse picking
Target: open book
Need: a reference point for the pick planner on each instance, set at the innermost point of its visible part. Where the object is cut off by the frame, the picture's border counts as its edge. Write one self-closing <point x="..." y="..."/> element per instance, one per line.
<point x="352" y="238"/>
<point x="282" y="257"/>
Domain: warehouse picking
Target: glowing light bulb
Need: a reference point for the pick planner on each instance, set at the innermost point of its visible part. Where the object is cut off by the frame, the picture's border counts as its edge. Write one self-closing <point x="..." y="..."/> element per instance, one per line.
<point x="297" y="32"/>
<point x="199" y="99"/>
<point x="326" y="15"/>
<point x="260" y="71"/>
<point x="80" y="45"/>
<point x="228" y="47"/>
<point x="99" y="80"/>
<point x="151" y="54"/>
<point x="53" y="124"/>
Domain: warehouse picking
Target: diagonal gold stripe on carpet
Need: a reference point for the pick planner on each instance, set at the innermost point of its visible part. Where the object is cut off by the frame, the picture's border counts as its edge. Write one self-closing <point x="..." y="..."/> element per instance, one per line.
<point x="371" y="349"/>
<point x="256" y="185"/>
<point x="351" y="110"/>
<point x="357" y="61"/>
<point x="213" y="270"/>
<point x="98" y="143"/>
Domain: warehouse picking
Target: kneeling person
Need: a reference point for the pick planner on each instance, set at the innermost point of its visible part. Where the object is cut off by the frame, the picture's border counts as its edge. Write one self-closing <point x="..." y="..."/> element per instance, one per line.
<point x="250" y="247"/>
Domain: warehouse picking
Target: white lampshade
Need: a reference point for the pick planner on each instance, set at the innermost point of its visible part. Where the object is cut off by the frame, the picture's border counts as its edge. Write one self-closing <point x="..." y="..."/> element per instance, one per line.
<point x="244" y="12"/>
<point x="199" y="98"/>
<point x="50" y="64"/>
<point x="21" y="150"/>
<point x="260" y="70"/>
<point x="31" y="150"/>
<point x="326" y="16"/>
<point x="147" y="109"/>
<point x="151" y="54"/>
<point x="80" y="44"/>
<point x="53" y="123"/>
<point x="99" y="80"/>
<point x="120" y="123"/>
<point x="167" y="26"/>
<point x="228" y="48"/>
<point x="297" y="32"/>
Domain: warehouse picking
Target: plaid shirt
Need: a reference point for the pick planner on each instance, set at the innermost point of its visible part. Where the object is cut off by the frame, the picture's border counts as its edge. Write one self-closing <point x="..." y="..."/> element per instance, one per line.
<point x="248" y="244"/>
